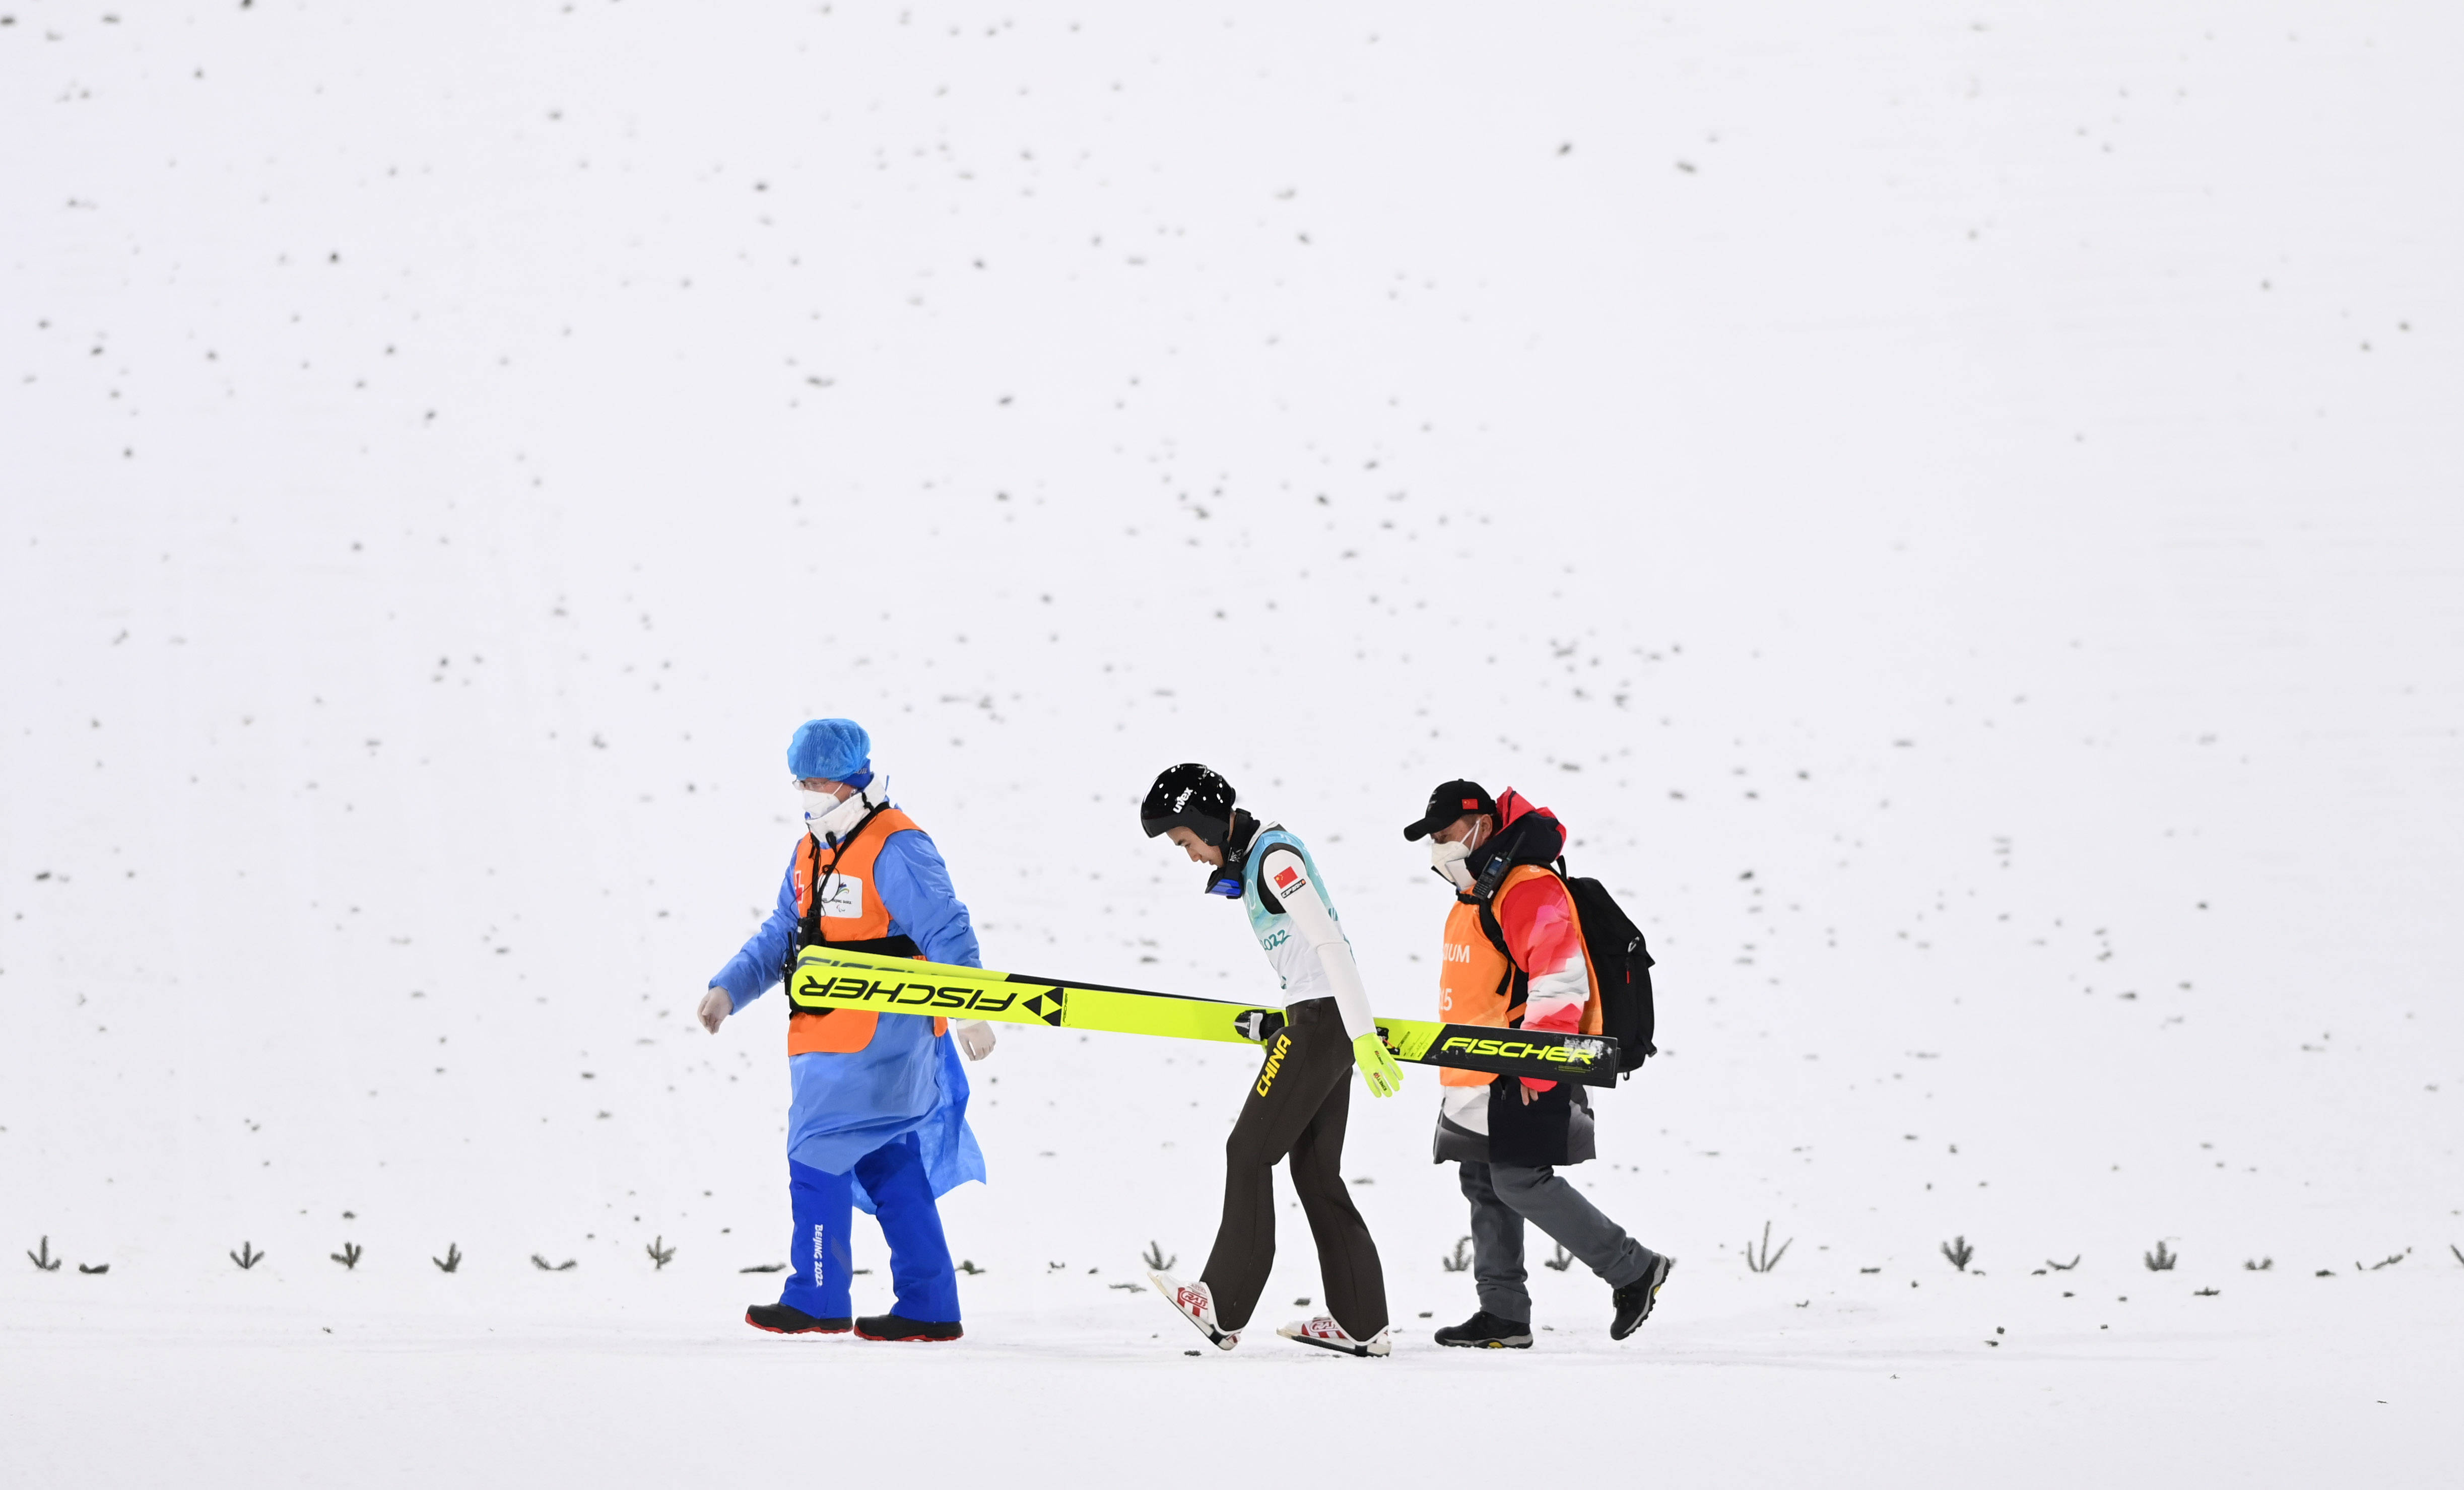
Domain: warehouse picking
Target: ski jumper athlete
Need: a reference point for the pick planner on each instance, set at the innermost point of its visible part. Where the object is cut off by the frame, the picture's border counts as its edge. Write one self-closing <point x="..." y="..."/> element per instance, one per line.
<point x="878" y="1115"/>
<point x="1298" y="1104"/>
<point x="1513" y="958"/>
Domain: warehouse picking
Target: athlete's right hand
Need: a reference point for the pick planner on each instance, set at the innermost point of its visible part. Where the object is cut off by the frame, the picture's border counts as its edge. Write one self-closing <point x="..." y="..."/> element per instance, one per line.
<point x="1377" y="1066"/>
<point x="716" y="1006"/>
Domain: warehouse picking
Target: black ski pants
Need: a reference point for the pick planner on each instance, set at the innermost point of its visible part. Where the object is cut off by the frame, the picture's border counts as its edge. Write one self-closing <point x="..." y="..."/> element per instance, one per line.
<point x="1297" y="1106"/>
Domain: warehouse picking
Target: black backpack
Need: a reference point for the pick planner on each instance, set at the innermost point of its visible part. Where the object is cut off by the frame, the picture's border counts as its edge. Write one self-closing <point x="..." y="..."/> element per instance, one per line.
<point x="1620" y="962"/>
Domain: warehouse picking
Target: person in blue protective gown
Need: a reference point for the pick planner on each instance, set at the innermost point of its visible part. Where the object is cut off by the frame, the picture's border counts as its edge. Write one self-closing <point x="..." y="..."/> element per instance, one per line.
<point x="878" y="1112"/>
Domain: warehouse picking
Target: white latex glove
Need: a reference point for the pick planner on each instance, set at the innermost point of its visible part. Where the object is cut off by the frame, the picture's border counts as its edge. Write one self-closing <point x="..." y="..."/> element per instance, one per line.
<point x="975" y="1037"/>
<point x="716" y="1006"/>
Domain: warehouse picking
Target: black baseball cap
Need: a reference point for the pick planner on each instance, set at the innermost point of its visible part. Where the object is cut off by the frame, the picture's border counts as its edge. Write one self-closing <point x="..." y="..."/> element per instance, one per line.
<point x="1449" y="801"/>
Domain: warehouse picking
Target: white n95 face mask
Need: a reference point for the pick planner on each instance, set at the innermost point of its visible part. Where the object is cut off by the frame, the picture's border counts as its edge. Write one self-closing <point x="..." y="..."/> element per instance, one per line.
<point x="827" y="818"/>
<point x="1447" y="858"/>
<point x="813" y="806"/>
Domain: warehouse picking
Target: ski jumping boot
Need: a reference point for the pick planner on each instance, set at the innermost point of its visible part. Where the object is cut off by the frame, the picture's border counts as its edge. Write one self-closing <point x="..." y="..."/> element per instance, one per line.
<point x="1328" y="1335"/>
<point x="1196" y="1302"/>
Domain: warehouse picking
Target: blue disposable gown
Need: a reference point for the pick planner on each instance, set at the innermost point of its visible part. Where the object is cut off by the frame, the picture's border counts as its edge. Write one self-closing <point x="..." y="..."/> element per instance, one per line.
<point x="844" y="1107"/>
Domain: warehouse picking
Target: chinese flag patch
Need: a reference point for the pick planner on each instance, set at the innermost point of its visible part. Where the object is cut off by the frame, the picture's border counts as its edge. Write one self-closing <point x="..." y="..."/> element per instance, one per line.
<point x="1287" y="878"/>
<point x="1472" y="804"/>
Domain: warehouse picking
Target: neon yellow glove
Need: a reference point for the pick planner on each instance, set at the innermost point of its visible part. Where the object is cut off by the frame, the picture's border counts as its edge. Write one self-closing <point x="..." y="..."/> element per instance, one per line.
<point x="1377" y="1067"/>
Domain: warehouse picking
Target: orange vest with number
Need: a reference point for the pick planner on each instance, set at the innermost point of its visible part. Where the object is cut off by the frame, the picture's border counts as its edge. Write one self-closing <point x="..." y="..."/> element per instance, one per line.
<point x="837" y="900"/>
<point x="1479" y="984"/>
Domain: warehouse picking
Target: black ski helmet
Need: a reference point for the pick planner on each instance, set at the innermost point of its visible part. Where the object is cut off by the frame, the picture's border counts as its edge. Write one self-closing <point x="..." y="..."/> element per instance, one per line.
<point x="1190" y="797"/>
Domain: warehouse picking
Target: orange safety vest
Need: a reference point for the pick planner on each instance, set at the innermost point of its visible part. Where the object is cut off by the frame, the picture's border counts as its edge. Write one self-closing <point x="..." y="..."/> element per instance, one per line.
<point x="839" y="902"/>
<point x="1479" y="984"/>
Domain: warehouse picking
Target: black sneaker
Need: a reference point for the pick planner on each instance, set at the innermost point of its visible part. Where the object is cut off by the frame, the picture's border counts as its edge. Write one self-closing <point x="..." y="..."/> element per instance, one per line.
<point x="785" y="1319"/>
<point x="897" y="1326"/>
<point x="1485" y="1331"/>
<point x="1635" y="1300"/>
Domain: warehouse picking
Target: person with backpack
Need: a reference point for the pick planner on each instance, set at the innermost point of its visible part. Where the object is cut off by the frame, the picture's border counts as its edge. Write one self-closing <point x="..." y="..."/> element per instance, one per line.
<point x="878" y="1111"/>
<point x="1302" y="1096"/>
<point x="1515" y="956"/>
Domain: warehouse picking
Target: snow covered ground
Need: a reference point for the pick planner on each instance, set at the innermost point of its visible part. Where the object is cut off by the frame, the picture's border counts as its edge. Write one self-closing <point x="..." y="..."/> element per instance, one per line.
<point x="1957" y="505"/>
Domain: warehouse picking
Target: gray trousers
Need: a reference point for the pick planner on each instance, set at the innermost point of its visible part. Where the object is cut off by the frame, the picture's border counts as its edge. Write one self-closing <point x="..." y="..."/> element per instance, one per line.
<point x="1503" y="1197"/>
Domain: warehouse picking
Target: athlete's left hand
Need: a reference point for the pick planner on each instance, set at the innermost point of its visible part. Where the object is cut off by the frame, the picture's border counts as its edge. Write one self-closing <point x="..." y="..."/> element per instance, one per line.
<point x="1377" y="1066"/>
<point x="975" y="1037"/>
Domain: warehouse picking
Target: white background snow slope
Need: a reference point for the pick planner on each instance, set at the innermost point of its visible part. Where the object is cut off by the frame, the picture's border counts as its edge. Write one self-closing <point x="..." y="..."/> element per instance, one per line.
<point x="1957" y="507"/>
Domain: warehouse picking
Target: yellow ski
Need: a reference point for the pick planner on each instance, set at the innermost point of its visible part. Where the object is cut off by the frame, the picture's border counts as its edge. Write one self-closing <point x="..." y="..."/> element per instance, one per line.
<point x="828" y="978"/>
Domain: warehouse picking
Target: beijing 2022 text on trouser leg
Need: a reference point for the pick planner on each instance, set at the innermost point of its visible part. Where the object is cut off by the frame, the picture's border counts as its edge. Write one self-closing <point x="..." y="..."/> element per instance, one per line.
<point x="820" y="1266"/>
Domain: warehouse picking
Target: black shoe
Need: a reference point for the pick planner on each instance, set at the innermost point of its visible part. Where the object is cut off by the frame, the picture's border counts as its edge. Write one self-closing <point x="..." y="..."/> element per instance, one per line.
<point x="897" y="1326"/>
<point x="1485" y="1331"/>
<point x="785" y="1319"/>
<point x="1635" y="1300"/>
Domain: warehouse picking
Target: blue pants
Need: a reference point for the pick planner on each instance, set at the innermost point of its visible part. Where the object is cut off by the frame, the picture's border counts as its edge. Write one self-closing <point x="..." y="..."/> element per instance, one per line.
<point x="821" y="1266"/>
